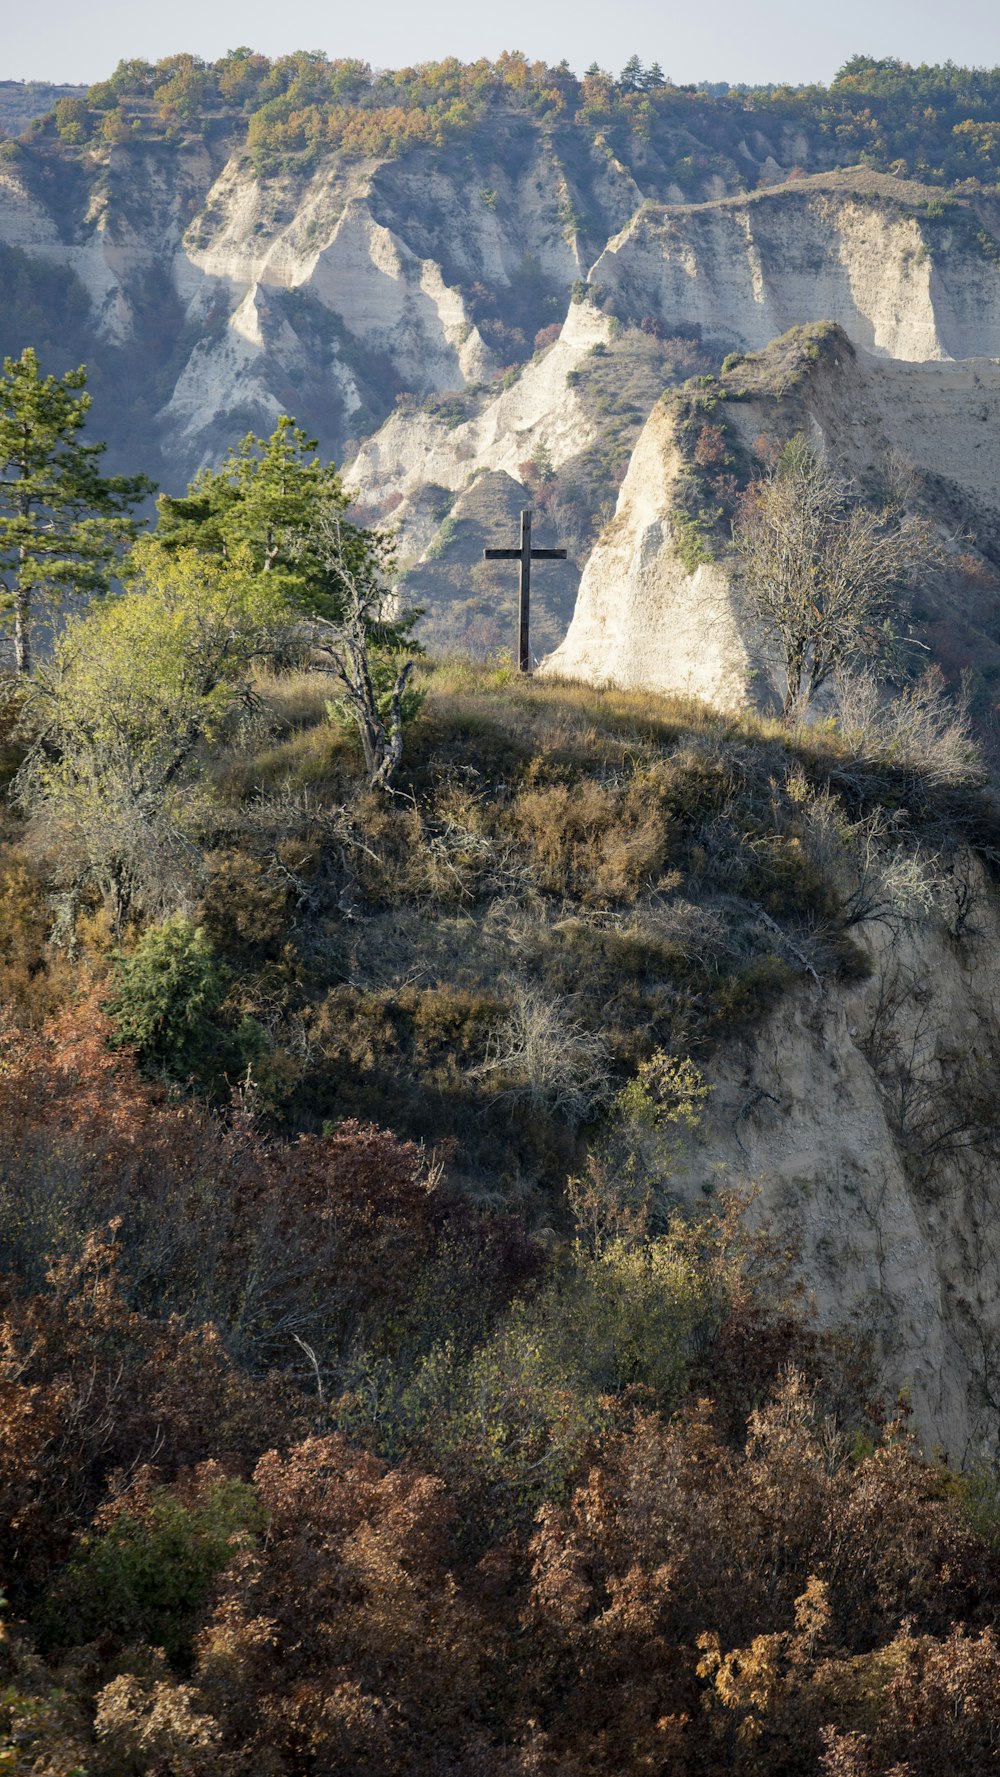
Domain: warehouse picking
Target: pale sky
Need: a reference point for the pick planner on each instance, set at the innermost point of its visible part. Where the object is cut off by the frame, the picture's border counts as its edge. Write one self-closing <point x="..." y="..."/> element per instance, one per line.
<point x="737" y="40"/>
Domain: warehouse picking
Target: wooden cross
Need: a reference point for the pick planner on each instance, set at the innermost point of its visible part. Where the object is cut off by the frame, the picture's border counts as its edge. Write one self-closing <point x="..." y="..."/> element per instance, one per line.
<point x="525" y="555"/>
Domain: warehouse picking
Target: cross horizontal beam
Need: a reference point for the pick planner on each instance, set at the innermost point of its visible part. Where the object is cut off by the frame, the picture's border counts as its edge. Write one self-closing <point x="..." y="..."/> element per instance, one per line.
<point x="516" y="554"/>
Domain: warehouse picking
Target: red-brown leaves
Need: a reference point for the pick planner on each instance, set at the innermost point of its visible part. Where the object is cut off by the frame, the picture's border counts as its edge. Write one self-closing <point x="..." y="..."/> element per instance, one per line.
<point x="727" y="1590"/>
<point x="90" y="1388"/>
<point x="345" y="1645"/>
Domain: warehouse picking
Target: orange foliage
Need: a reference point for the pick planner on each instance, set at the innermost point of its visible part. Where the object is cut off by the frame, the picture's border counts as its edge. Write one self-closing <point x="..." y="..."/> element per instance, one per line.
<point x="714" y="1593"/>
<point x="344" y="1644"/>
<point x="677" y="1542"/>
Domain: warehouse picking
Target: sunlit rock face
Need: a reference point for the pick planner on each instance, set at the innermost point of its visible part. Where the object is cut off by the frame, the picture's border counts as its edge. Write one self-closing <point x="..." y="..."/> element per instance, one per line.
<point x="836" y="1112"/>
<point x="747" y="270"/>
<point x="393" y="307"/>
<point x="643" y="618"/>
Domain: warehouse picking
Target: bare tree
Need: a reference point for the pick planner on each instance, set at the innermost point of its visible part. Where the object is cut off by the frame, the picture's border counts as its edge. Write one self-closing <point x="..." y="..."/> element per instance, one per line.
<point x="365" y="644"/>
<point x="823" y="571"/>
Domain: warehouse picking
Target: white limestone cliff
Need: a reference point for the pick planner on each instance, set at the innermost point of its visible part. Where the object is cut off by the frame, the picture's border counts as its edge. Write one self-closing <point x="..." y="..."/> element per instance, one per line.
<point x="645" y="619"/>
<point x="745" y="270"/>
<point x="642" y="619"/>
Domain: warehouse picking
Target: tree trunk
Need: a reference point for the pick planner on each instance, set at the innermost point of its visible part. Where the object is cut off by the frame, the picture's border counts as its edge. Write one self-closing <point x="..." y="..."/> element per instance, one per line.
<point x="393" y="752"/>
<point x="22" y="630"/>
<point x="794" y="666"/>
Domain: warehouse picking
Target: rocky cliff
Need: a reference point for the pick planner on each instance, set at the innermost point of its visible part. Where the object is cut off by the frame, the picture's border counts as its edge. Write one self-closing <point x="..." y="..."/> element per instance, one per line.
<point x="660" y="604"/>
<point x="874" y="255"/>
<point x="863" y="1117"/>
<point x="511" y="302"/>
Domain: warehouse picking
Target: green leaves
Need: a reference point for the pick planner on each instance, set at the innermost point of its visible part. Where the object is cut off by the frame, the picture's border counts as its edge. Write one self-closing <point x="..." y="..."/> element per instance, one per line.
<point x="270" y="499"/>
<point x="132" y="690"/>
<point x="148" y="1570"/>
<point x="62" y="524"/>
<point x="283" y="510"/>
<point x="168" y="1007"/>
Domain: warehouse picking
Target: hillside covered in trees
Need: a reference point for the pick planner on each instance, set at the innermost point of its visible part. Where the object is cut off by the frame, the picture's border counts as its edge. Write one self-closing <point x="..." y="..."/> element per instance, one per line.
<point x="389" y="1379"/>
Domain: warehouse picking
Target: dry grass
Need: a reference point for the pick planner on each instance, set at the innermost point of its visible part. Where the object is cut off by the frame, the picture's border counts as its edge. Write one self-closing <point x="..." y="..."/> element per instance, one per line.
<point x="294" y="699"/>
<point x="640" y="872"/>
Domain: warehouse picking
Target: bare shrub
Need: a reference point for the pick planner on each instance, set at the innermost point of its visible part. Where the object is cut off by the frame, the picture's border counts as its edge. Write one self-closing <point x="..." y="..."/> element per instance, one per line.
<point x="544" y="1058"/>
<point x="822" y="570"/>
<point x="923" y="729"/>
<point x="879" y="877"/>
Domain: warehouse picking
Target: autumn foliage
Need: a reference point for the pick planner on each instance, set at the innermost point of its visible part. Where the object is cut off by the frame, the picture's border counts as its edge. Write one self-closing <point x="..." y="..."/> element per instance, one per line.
<point x="228" y="1544"/>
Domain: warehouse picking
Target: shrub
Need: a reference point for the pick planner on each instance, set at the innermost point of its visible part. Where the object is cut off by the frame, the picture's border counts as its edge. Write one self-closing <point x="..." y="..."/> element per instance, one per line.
<point x="600" y="842"/>
<point x="922" y="730"/>
<point x="147" y="1566"/>
<point x="543" y="1057"/>
<point x="623" y="1316"/>
<point x="90" y="1386"/>
<point x="168" y="1003"/>
<point x="34" y="976"/>
<point x="547" y="336"/>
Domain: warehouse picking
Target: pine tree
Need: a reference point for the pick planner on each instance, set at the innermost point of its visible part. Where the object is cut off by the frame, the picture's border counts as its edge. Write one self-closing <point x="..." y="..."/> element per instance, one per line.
<point x="631" y="77"/>
<point x="274" y="501"/>
<point x="273" y="497"/>
<point x="61" y="522"/>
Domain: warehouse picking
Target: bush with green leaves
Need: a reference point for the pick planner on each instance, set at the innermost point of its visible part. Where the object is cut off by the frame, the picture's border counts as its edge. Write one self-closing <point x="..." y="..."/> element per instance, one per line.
<point x="148" y="1569"/>
<point x="169" y="1006"/>
<point x="117" y="716"/>
<point x="508" y="1421"/>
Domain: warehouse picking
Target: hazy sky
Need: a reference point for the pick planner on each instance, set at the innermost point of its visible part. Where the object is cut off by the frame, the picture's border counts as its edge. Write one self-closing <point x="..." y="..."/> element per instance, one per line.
<point x="66" y="40"/>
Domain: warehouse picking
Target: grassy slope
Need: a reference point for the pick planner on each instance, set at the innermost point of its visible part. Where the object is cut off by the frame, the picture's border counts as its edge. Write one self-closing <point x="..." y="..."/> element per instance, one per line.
<point x="564" y="875"/>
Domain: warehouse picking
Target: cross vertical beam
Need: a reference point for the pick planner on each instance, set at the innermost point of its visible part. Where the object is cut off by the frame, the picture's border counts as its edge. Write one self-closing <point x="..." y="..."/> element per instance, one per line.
<point x="525" y="555"/>
<point x="524" y="595"/>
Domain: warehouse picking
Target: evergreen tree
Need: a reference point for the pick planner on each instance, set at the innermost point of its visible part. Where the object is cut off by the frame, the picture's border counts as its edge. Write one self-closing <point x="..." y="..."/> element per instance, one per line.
<point x="282" y="510"/>
<point x="61" y="522"/>
<point x="275" y="499"/>
<point x="631" y="77"/>
<point x="169" y="1006"/>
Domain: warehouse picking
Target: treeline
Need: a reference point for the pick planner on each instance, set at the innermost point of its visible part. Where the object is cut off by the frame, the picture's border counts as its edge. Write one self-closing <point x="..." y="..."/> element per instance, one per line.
<point x="938" y="123"/>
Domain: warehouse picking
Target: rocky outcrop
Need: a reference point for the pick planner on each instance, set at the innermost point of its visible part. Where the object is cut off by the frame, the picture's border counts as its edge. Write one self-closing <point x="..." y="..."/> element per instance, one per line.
<point x="540" y="409"/>
<point x="648" y="615"/>
<point x="381" y="302"/>
<point x="642" y="617"/>
<point x="863" y="1118"/>
<point x="901" y="282"/>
